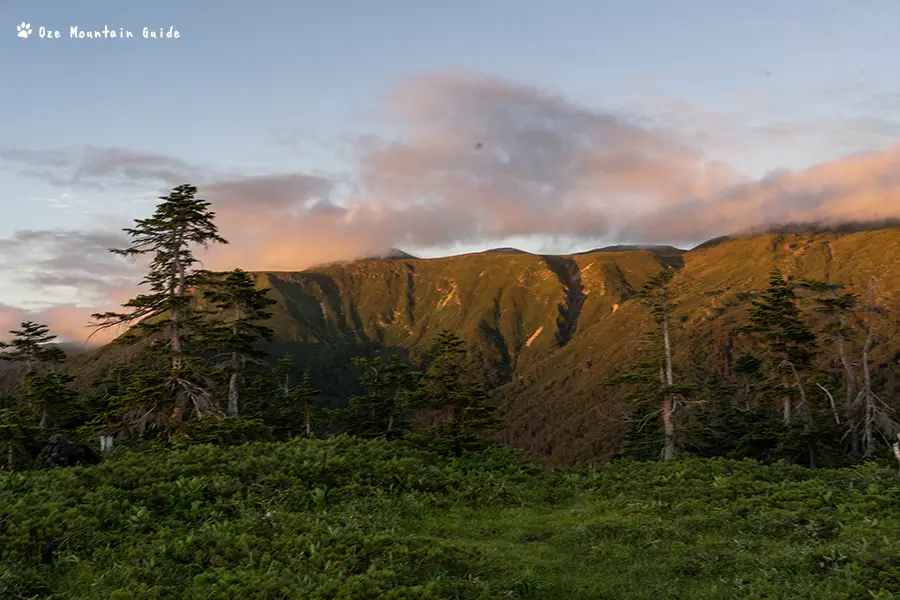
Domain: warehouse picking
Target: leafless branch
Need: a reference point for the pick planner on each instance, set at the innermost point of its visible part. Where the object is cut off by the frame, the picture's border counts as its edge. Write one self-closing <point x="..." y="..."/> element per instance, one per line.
<point x="837" y="419"/>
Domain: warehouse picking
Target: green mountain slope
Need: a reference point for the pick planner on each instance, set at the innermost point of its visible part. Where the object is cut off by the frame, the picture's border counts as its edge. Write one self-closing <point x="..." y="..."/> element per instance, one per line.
<point x="546" y="330"/>
<point x="560" y="410"/>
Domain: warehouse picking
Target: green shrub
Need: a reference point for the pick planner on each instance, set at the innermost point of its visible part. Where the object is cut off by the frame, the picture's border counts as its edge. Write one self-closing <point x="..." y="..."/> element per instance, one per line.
<point x="351" y="518"/>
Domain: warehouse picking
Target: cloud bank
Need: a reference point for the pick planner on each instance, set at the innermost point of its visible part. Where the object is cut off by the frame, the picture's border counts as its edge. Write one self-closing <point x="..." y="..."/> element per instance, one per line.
<point x="479" y="159"/>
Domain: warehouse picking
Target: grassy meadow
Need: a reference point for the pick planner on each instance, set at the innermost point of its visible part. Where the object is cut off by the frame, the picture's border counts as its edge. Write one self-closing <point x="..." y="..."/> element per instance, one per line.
<point x="353" y="519"/>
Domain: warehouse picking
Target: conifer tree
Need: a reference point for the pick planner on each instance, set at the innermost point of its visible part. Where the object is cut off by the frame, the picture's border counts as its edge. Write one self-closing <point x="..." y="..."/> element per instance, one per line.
<point x="48" y="395"/>
<point x="180" y="223"/>
<point x="716" y="424"/>
<point x="282" y="373"/>
<point x="380" y="411"/>
<point x="864" y="412"/>
<point x="31" y="347"/>
<point x="14" y="433"/>
<point x="748" y="368"/>
<point x="464" y="412"/>
<point x="642" y="438"/>
<point x="239" y="335"/>
<point x="139" y="404"/>
<point x="652" y="379"/>
<point x="648" y="397"/>
<point x="869" y="415"/>
<point x="280" y="410"/>
<point x="107" y="400"/>
<point x="790" y="347"/>
<point x="789" y="343"/>
<point x="51" y="396"/>
<point x="303" y="406"/>
<point x="655" y="294"/>
<point x="290" y="409"/>
<point x="838" y="307"/>
<point x="267" y="394"/>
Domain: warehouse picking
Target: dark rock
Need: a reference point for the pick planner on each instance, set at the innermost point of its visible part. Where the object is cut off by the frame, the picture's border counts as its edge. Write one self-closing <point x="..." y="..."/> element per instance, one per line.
<point x="60" y="451"/>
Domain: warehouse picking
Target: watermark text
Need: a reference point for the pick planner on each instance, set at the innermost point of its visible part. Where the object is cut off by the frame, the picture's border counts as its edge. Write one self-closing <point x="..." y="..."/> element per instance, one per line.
<point x="76" y="32"/>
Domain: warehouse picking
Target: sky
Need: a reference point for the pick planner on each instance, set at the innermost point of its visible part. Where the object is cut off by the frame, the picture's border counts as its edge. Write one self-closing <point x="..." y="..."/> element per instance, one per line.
<point x="332" y="130"/>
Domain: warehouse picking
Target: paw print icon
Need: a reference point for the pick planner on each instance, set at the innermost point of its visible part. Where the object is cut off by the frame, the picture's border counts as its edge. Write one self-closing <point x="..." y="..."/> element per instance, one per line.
<point x="24" y="29"/>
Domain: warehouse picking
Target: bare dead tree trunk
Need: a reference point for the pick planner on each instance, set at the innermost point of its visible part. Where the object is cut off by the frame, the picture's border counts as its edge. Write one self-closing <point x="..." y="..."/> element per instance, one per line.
<point x="237" y="366"/>
<point x="666" y="342"/>
<point x="850" y="386"/>
<point x="804" y="407"/>
<point x="867" y="395"/>
<point x="668" y="428"/>
<point x="308" y="420"/>
<point x="286" y="391"/>
<point x="668" y="407"/>
<point x="849" y="374"/>
<point x="746" y="393"/>
<point x="390" y="424"/>
<point x="29" y="369"/>
<point x="834" y="410"/>
<point x="786" y="408"/>
<point x="234" y="395"/>
<point x="896" y="448"/>
<point x="804" y="413"/>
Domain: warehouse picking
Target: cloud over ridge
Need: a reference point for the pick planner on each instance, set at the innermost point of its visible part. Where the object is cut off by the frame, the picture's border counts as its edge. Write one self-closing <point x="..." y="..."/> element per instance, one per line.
<point x="479" y="159"/>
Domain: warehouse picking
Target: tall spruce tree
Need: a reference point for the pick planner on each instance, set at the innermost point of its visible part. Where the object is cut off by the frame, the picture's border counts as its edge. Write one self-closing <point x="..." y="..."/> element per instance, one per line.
<point x="789" y="343"/>
<point x="790" y="347"/>
<point x="240" y="333"/>
<point x="180" y="223"/>
<point x="463" y="412"/>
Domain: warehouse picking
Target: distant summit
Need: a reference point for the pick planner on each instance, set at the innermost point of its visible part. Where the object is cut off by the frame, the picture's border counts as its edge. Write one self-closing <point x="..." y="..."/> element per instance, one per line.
<point x="506" y="250"/>
<point x="632" y="248"/>
<point x="392" y="254"/>
<point x="617" y="248"/>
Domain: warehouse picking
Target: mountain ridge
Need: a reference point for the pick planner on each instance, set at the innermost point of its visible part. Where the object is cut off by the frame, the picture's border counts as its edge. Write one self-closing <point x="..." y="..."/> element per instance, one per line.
<point x="546" y="330"/>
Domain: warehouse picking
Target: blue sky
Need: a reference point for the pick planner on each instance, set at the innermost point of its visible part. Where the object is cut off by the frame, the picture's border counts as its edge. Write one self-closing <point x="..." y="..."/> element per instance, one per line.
<point x="244" y="77"/>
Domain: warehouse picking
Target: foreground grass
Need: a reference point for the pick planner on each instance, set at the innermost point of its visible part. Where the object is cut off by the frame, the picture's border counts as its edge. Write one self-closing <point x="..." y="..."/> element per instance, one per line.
<point x="349" y="519"/>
